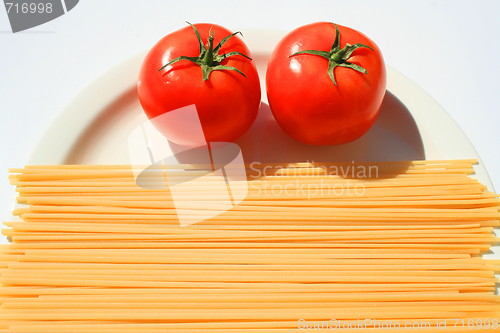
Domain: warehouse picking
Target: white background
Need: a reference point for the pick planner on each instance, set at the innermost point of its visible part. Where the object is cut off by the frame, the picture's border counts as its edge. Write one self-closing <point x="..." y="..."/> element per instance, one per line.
<point x="449" y="48"/>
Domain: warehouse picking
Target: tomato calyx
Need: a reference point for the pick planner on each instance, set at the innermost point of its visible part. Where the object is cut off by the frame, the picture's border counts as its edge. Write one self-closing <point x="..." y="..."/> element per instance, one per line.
<point x="209" y="58"/>
<point x="337" y="57"/>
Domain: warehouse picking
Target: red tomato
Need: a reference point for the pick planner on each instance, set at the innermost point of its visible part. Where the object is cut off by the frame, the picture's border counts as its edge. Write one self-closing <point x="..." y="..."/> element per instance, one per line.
<point x="220" y="80"/>
<point x="328" y="97"/>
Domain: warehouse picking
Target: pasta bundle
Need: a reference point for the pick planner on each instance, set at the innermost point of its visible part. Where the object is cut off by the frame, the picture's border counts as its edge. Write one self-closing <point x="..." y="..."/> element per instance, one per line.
<point x="310" y="246"/>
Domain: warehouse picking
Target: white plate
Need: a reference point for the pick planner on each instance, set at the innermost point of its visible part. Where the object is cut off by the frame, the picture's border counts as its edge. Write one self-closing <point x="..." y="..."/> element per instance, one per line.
<point x="94" y="127"/>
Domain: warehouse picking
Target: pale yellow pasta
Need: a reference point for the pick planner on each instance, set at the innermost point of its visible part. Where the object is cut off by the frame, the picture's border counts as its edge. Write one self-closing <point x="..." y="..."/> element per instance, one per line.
<point x="91" y="251"/>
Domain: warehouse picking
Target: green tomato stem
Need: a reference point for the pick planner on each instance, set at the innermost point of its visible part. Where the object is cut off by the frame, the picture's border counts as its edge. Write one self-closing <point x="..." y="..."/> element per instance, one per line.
<point x="209" y="58"/>
<point x="337" y="57"/>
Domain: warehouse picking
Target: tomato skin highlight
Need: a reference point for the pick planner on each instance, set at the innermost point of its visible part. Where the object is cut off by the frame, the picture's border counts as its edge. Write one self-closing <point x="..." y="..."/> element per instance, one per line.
<point x="227" y="103"/>
<point x="305" y="102"/>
